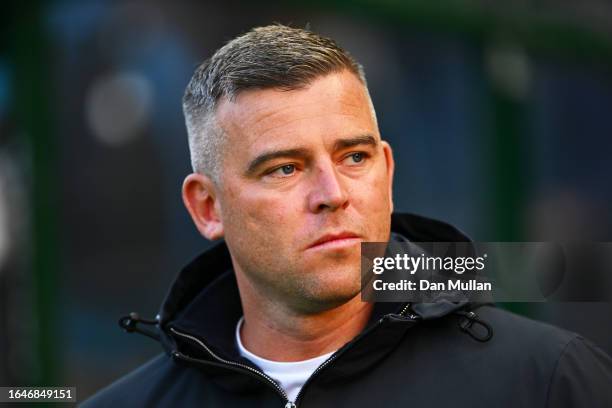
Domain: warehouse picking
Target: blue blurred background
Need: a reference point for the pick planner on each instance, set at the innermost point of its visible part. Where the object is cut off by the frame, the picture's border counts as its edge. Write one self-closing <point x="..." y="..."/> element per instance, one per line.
<point x="500" y="115"/>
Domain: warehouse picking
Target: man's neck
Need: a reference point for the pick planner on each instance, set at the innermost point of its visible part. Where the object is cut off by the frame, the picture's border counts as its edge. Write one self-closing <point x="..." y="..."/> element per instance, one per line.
<point x="279" y="334"/>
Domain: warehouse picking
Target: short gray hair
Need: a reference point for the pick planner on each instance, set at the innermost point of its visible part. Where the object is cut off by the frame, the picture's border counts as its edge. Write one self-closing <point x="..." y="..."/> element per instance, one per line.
<point x="274" y="56"/>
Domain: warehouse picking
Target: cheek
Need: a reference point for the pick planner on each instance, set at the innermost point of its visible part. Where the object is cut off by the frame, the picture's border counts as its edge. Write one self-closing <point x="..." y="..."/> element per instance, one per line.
<point x="372" y="193"/>
<point x="266" y="215"/>
<point x="371" y="201"/>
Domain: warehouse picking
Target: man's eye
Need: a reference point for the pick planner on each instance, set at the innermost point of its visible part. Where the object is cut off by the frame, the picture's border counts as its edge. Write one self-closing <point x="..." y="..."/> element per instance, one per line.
<point x="283" y="171"/>
<point x="355" y="158"/>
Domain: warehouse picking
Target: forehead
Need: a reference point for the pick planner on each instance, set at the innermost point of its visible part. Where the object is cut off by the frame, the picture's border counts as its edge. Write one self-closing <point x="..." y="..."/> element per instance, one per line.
<point x="336" y="105"/>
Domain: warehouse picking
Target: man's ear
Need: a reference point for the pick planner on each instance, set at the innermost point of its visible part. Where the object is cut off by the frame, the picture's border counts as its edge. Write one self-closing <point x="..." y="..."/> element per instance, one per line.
<point x="200" y="198"/>
<point x="390" y="169"/>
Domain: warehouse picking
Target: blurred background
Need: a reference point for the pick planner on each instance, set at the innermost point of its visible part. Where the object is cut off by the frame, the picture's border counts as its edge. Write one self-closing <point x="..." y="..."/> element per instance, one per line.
<point x="500" y="115"/>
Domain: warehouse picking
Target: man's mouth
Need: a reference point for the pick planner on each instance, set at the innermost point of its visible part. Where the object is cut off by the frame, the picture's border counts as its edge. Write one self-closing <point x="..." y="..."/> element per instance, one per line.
<point x="336" y="240"/>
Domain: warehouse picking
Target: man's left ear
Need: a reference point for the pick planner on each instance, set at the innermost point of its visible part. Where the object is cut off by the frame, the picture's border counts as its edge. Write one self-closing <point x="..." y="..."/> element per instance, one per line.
<point x="200" y="198"/>
<point x="390" y="169"/>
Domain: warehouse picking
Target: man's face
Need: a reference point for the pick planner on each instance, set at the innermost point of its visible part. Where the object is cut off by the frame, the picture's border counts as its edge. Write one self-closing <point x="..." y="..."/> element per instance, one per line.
<point x="304" y="179"/>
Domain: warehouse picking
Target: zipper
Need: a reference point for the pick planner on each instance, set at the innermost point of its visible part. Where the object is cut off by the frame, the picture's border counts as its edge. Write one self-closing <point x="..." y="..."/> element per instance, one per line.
<point x="268" y="379"/>
<point x="258" y="373"/>
<point x="319" y="368"/>
<point x="403" y="312"/>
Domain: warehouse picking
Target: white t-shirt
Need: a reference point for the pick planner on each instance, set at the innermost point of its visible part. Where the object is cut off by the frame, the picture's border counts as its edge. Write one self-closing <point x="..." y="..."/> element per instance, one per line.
<point x="290" y="375"/>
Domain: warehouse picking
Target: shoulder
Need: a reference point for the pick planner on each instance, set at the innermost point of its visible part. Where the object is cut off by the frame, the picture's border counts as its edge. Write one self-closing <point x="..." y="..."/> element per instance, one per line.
<point x="520" y="340"/>
<point x="577" y="372"/>
<point x="582" y="376"/>
<point x="524" y="333"/>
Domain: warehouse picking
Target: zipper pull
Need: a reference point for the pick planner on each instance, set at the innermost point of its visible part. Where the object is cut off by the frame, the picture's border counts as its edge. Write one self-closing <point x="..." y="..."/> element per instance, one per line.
<point x="290" y="404"/>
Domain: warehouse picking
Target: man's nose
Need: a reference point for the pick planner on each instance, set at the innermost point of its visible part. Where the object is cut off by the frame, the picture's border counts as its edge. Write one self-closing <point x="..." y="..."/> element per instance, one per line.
<point x="327" y="190"/>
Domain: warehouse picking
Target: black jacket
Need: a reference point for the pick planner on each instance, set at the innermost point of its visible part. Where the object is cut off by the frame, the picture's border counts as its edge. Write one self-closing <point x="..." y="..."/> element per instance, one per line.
<point x="424" y="355"/>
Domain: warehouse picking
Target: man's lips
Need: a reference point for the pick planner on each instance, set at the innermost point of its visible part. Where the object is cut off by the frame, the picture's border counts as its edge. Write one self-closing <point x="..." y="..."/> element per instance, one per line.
<point x="335" y="239"/>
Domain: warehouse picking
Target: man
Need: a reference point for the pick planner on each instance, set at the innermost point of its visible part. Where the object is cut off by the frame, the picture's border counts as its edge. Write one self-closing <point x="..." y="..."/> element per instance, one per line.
<point x="291" y="171"/>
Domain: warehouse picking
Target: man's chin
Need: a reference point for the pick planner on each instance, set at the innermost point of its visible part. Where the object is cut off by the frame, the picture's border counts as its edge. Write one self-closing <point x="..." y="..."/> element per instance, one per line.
<point x="329" y="295"/>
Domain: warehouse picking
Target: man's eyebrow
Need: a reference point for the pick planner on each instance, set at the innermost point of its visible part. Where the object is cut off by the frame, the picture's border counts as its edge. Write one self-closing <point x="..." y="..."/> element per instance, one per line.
<point x="355" y="141"/>
<point x="303" y="153"/>
<point x="275" y="154"/>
